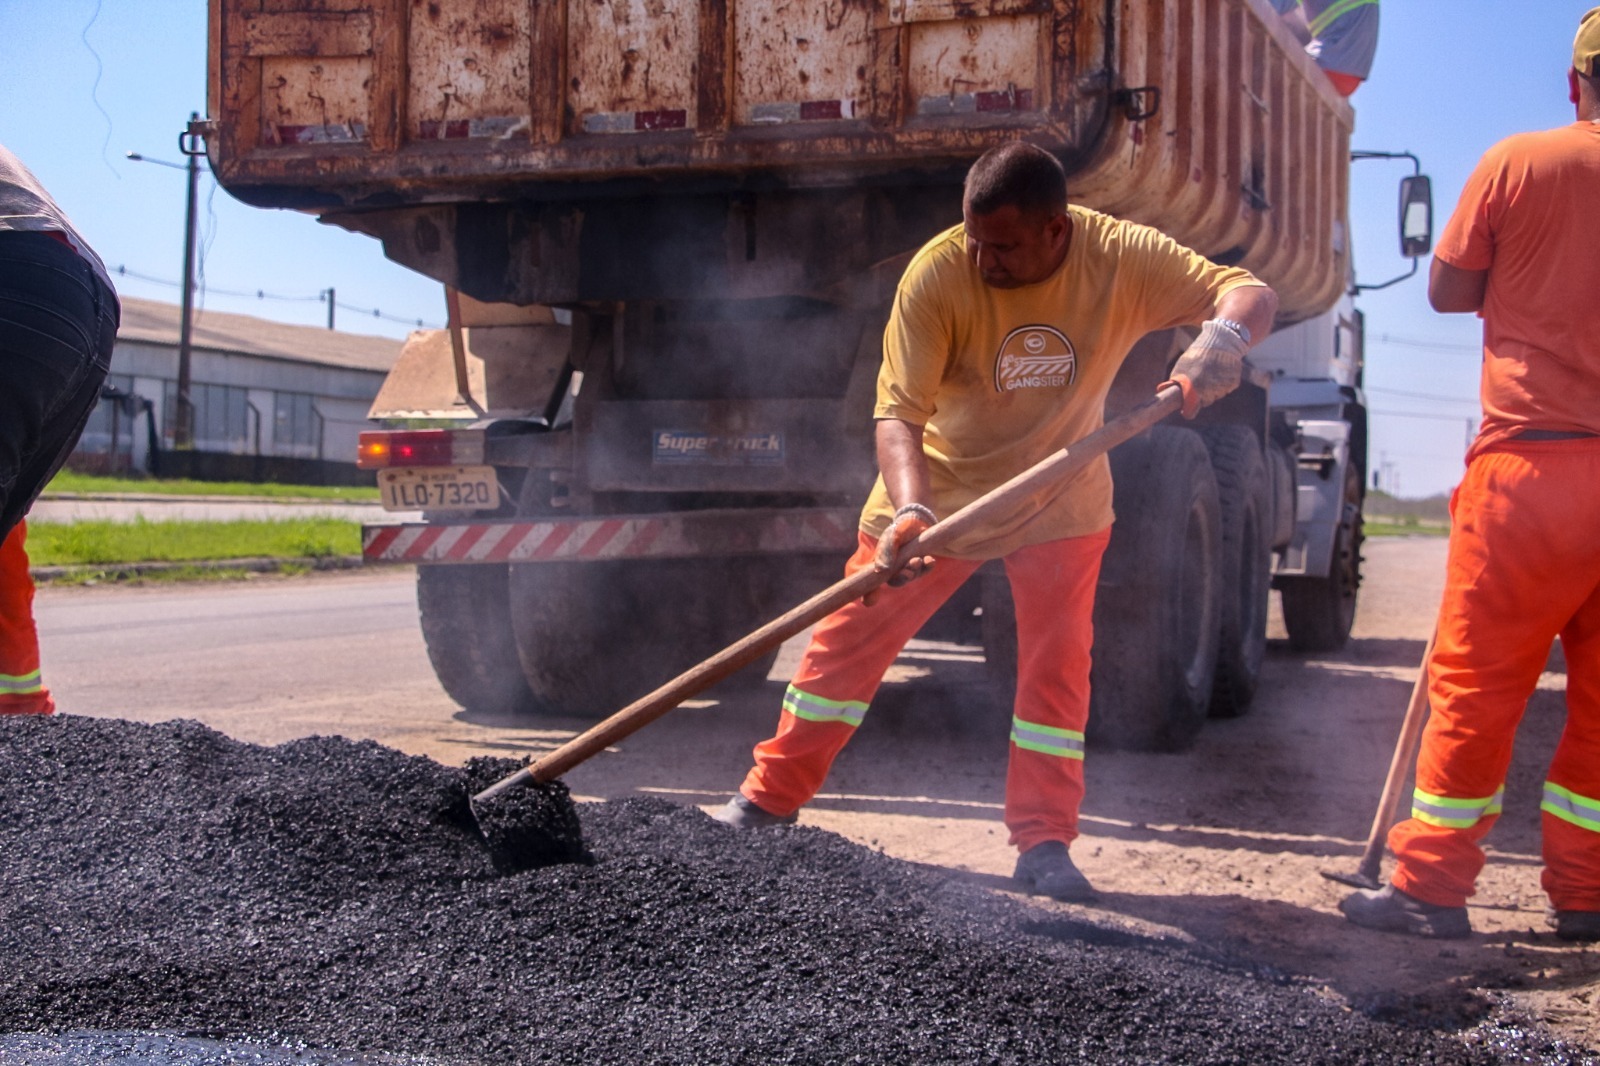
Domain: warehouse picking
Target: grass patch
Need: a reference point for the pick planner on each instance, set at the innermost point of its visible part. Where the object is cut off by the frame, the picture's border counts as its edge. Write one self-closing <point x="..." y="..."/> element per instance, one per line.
<point x="70" y="481"/>
<point x="1404" y="527"/>
<point x="105" y="543"/>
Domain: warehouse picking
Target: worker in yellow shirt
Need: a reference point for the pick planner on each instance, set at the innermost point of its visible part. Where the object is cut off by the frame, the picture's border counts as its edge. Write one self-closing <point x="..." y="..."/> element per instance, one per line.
<point x="1005" y="335"/>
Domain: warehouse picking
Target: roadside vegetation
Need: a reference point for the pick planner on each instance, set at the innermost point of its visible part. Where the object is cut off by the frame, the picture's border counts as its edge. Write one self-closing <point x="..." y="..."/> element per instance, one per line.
<point x="70" y="482"/>
<point x="1391" y="516"/>
<point x="99" y="542"/>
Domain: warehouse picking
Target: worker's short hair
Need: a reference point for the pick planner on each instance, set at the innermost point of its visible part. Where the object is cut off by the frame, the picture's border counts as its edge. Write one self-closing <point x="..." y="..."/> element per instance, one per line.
<point x="1018" y="175"/>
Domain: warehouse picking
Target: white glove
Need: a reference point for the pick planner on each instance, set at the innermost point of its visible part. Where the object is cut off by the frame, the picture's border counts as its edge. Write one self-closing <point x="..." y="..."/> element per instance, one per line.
<point x="1211" y="367"/>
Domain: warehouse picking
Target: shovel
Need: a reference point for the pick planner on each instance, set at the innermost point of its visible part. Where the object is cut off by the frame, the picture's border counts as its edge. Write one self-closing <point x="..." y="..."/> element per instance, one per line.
<point x="1053" y="469"/>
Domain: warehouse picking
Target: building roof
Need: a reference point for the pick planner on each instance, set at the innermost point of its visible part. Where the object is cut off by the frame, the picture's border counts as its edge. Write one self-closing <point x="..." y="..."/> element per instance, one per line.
<point x="154" y="322"/>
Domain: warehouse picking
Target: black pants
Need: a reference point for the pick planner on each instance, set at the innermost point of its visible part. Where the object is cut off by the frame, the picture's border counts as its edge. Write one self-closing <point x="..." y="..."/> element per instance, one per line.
<point x="58" y="323"/>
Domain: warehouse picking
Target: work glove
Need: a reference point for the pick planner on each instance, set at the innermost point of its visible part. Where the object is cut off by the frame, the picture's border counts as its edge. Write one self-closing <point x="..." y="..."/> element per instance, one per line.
<point x="1211" y="367"/>
<point x="909" y="522"/>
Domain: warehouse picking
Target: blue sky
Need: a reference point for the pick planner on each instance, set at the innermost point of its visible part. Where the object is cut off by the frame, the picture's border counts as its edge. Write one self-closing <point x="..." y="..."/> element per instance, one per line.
<point x="82" y="82"/>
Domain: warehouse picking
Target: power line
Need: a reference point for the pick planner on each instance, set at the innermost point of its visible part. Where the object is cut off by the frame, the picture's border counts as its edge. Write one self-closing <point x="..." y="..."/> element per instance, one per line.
<point x="262" y="294"/>
<point x="1422" y="414"/>
<point x="1424" y="396"/>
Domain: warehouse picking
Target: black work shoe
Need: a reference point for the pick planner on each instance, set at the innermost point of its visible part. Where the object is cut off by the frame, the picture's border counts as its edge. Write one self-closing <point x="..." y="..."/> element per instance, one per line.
<point x="1047" y="870"/>
<point x="743" y="814"/>
<point x="1583" y="927"/>
<point x="1393" y="911"/>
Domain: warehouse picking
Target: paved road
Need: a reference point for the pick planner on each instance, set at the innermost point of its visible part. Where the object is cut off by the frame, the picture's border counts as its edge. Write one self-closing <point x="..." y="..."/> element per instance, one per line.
<point x="263" y="660"/>
<point x="270" y="659"/>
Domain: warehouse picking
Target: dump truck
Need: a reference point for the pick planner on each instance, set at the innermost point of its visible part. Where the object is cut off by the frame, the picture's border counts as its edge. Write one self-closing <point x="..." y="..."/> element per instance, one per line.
<point x="669" y="233"/>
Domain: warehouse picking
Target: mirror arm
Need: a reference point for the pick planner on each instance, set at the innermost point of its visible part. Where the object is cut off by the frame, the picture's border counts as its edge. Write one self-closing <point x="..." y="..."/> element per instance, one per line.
<point x="1356" y="290"/>
<point x="1416" y="171"/>
<point x="1416" y="164"/>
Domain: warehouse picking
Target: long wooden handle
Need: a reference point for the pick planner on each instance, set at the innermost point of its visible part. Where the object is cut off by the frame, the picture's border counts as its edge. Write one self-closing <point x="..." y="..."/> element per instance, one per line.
<point x="1405" y="749"/>
<point x="1056" y="467"/>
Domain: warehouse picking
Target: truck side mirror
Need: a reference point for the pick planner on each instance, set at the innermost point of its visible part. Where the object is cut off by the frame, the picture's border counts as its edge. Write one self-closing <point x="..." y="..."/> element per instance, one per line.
<point x="1416" y="216"/>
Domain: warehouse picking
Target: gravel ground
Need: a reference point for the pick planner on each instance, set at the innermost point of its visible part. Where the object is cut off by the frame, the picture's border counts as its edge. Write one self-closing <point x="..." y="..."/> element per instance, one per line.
<point x="330" y="895"/>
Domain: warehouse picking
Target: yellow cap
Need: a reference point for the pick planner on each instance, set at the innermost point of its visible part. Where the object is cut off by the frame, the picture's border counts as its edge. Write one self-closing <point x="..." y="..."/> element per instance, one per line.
<point x="1587" y="46"/>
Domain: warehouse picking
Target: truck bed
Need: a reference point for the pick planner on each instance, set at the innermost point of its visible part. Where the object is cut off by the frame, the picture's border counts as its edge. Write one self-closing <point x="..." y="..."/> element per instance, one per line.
<point x="1202" y="117"/>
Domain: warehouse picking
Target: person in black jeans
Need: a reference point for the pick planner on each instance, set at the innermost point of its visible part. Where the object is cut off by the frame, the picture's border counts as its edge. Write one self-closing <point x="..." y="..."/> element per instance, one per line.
<point x="58" y="324"/>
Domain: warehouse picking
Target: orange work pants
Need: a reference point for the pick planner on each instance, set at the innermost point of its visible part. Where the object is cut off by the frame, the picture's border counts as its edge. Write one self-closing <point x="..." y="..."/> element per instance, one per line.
<point x="1524" y="567"/>
<point x="1053" y="586"/>
<point x="21" y="690"/>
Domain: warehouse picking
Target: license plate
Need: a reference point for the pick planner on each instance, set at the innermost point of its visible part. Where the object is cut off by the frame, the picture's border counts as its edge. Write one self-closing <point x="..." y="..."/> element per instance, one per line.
<point x="452" y="488"/>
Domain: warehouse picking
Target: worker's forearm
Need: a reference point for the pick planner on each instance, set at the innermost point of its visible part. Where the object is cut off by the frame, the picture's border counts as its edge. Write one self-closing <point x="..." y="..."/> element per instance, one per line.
<point x="1454" y="290"/>
<point x="1253" y="306"/>
<point x="901" y="462"/>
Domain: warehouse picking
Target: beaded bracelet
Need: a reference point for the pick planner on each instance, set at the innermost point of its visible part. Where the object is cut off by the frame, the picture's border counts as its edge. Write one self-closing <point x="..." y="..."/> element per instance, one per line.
<point x="919" y="510"/>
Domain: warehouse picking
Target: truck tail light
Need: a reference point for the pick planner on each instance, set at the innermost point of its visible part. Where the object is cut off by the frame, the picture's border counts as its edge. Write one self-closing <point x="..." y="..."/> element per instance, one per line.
<point x="419" y="447"/>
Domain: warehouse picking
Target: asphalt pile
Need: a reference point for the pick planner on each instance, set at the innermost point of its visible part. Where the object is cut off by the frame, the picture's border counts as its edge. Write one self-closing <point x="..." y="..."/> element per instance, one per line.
<point x="337" y="895"/>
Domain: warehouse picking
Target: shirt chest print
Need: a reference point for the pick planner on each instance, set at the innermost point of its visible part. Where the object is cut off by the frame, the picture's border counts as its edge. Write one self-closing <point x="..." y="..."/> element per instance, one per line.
<point x="1034" y="357"/>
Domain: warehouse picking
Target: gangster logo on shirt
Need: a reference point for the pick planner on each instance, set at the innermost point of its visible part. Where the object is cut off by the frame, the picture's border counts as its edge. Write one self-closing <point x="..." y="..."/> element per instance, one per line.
<point x="1035" y="357"/>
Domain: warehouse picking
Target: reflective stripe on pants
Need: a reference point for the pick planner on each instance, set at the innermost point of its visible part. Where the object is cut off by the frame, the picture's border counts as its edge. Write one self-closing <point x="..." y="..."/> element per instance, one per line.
<point x="1522" y="569"/>
<point x="1455" y="813"/>
<point x="1053" y="586"/>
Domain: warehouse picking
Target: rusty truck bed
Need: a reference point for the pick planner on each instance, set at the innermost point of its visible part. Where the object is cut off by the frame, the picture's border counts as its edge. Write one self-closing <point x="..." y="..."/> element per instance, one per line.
<point x="1201" y="117"/>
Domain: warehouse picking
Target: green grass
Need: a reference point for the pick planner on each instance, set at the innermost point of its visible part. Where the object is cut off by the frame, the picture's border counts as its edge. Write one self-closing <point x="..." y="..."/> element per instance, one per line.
<point x="1404" y="526"/>
<point x="73" y="482"/>
<point x="104" y="543"/>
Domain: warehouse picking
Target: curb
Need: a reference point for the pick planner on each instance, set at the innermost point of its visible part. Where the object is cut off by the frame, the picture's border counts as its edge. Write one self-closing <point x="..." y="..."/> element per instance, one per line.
<point x="126" y="571"/>
<point x="156" y="497"/>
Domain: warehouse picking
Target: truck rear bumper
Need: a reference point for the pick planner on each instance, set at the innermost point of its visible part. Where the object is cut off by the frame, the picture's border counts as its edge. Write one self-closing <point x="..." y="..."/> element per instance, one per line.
<point x="676" y="535"/>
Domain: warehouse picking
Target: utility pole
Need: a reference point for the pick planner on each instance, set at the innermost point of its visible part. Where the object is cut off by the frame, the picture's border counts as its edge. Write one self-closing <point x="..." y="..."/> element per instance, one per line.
<point x="328" y="293"/>
<point x="189" y="143"/>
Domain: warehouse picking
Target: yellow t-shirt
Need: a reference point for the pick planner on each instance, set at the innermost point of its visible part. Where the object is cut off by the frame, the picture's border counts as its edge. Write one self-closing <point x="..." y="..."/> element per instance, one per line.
<point x="1002" y="378"/>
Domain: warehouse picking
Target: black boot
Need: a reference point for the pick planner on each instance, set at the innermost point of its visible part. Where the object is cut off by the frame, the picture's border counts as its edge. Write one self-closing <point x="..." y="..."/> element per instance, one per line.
<point x="1047" y="870"/>
<point x="1393" y="911"/>
<point x="740" y="813"/>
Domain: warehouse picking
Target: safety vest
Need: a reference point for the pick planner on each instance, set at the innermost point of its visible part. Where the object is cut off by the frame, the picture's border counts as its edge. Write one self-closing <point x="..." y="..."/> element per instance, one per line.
<point x="1317" y="24"/>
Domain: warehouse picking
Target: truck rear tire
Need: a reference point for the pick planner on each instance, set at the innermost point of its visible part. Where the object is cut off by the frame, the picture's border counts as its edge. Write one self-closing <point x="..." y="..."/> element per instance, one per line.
<point x="1155" y="614"/>
<point x="1319" y="612"/>
<point x="1245" y="574"/>
<point x="594" y="637"/>
<point x="1155" y="648"/>
<point x="466" y="625"/>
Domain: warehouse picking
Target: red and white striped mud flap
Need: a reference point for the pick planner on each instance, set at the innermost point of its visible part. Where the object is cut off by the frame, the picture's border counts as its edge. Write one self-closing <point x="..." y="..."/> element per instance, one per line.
<point x="682" y="535"/>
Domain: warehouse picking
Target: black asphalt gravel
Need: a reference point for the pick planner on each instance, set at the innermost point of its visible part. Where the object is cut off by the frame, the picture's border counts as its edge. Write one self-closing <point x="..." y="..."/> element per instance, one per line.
<point x="335" y="897"/>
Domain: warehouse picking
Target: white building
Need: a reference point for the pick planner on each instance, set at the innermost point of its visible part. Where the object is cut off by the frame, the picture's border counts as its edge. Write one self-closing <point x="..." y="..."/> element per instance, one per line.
<point x="263" y="392"/>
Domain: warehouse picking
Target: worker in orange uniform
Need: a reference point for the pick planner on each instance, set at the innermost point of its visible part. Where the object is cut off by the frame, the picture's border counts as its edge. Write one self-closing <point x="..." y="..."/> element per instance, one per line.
<point x="1004" y="337"/>
<point x="1341" y="35"/>
<point x="1524" y="561"/>
<point x="58" y="324"/>
<point x="22" y="688"/>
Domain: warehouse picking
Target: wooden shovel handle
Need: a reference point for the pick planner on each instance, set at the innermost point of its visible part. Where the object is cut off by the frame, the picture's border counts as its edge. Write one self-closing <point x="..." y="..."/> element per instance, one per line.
<point x="1056" y="467"/>
<point x="1405" y="750"/>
